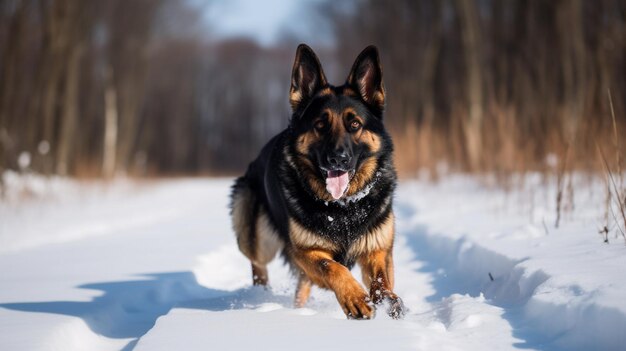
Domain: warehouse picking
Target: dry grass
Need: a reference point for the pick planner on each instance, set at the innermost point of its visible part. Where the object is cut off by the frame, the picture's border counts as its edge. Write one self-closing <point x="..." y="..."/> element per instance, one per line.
<point x="615" y="203"/>
<point x="510" y="145"/>
<point x="513" y="145"/>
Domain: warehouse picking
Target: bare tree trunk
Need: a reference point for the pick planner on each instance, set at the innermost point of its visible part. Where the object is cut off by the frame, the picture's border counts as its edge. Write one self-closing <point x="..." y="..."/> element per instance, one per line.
<point x="573" y="58"/>
<point x="470" y="34"/>
<point x="48" y="105"/>
<point x="128" y="120"/>
<point x="431" y="59"/>
<point x="10" y="79"/>
<point x="110" y="125"/>
<point x="57" y="18"/>
<point x="70" y="111"/>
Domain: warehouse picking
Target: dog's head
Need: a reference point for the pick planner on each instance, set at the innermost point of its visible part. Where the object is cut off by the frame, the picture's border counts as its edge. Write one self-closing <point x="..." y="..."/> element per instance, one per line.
<point x="338" y="130"/>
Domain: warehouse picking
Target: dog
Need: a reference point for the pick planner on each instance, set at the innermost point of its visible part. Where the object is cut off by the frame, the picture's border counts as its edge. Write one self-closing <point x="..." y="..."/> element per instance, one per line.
<point x="321" y="191"/>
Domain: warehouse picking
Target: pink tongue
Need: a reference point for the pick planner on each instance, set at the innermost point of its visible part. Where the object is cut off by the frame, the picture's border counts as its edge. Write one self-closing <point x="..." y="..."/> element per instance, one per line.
<point x="337" y="183"/>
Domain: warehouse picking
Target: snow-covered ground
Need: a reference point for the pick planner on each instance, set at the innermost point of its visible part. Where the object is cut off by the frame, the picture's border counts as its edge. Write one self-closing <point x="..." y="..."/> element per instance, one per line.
<point x="154" y="266"/>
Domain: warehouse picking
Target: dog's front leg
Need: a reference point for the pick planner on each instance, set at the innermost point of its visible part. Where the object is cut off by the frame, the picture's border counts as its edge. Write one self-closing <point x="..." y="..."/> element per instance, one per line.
<point x="377" y="269"/>
<point x="322" y="270"/>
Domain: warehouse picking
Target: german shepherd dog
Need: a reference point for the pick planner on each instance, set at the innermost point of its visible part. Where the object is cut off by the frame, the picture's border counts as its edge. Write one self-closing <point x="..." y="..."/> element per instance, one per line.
<point x="321" y="191"/>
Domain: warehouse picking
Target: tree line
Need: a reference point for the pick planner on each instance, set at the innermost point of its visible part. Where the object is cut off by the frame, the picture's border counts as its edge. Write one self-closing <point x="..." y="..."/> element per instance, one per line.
<point x="98" y="88"/>
<point x="496" y="85"/>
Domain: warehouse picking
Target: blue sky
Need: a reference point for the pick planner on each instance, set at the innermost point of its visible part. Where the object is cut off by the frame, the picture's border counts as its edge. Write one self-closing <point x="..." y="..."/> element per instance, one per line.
<point x="264" y="20"/>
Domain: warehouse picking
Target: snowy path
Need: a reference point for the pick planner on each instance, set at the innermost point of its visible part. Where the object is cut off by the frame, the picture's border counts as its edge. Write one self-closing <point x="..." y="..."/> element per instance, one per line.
<point x="155" y="267"/>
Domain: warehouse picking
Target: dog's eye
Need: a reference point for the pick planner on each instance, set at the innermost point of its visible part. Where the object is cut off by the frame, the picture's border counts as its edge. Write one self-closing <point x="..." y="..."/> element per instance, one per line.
<point x="355" y="125"/>
<point x="320" y="124"/>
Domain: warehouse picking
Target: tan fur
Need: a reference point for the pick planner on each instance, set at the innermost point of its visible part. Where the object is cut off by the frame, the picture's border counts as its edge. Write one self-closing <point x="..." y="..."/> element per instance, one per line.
<point x="304" y="142"/>
<point x="337" y="125"/>
<point x="373" y="253"/>
<point x="379" y="97"/>
<point x="305" y="167"/>
<point x="309" y="172"/>
<point x="362" y="176"/>
<point x="243" y="204"/>
<point x="259" y="246"/>
<point x="323" y="271"/>
<point x="350" y="110"/>
<point x="318" y="187"/>
<point x="259" y="274"/>
<point x="267" y="240"/>
<point x="325" y="92"/>
<point x="377" y="271"/>
<point x="349" y="92"/>
<point x="295" y="96"/>
<point x="380" y="238"/>
<point x="303" y="290"/>
<point x="305" y="239"/>
<point x="371" y="139"/>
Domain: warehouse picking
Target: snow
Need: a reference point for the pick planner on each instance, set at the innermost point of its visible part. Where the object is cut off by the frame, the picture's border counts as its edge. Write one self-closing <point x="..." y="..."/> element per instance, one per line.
<point x="153" y="265"/>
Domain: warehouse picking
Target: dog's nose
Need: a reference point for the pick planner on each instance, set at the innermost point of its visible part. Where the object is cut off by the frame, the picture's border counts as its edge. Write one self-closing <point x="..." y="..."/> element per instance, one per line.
<point x="339" y="160"/>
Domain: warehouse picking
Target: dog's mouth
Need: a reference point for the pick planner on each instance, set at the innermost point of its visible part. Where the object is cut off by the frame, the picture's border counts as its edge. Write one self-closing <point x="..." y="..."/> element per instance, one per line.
<point x="337" y="182"/>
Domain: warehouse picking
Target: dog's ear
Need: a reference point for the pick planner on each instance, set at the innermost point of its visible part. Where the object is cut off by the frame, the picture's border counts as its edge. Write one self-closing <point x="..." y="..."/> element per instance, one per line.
<point x="366" y="76"/>
<point x="307" y="77"/>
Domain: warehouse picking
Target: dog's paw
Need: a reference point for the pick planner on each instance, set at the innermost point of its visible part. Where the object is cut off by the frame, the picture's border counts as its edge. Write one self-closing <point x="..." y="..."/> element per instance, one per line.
<point x="357" y="306"/>
<point x="395" y="307"/>
<point x="392" y="302"/>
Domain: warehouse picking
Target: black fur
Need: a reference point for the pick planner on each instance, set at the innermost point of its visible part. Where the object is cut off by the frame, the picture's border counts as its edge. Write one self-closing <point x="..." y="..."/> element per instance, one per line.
<point x="279" y="183"/>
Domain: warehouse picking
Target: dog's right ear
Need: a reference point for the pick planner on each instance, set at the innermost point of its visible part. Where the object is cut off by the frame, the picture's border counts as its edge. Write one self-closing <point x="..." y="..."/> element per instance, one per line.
<point x="307" y="77"/>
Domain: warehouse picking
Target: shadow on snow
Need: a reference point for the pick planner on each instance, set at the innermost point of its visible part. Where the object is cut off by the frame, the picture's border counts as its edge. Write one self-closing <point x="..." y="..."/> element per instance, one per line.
<point x="129" y="309"/>
<point x="450" y="264"/>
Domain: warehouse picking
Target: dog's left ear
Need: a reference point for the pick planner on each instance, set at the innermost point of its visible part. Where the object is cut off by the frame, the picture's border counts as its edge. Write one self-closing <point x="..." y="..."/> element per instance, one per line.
<point x="307" y="77"/>
<point x="366" y="76"/>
